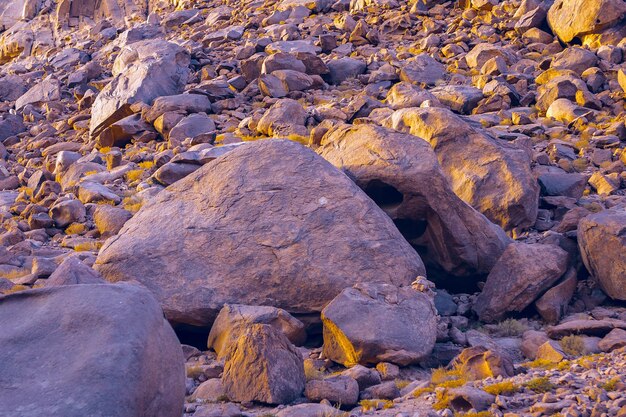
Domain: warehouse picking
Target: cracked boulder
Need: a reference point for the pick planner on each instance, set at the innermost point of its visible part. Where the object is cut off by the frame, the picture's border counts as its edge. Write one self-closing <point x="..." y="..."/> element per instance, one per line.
<point x="142" y="72"/>
<point x="400" y="172"/>
<point x="269" y="223"/>
<point x="491" y="175"/>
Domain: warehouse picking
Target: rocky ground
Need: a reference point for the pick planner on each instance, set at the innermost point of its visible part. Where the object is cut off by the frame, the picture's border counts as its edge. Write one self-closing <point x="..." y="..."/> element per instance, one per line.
<point x="365" y="207"/>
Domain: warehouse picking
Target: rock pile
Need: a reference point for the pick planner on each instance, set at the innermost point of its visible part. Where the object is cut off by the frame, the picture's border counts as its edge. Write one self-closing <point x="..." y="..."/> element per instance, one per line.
<point x="387" y="207"/>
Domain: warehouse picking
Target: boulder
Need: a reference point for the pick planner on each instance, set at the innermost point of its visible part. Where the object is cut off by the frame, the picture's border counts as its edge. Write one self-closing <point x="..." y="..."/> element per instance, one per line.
<point x="602" y="243"/>
<point x="405" y="321"/>
<point x="386" y="391"/>
<point x="211" y="390"/>
<point x="233" y="320"/>
<point x="338" y="389"/>
<point x="552" y="305"/>
<point x="523" y="273"/>
<point x="570" y="19"/>
<point x="468" y="398"/>
<point x="422" y="69"/>
<point x="345" y="68"/>
<point x="72" y="272"/>
<point x="142" y="72"/>
<point x="47" y="90"/>
<point x="69" y="11"/>
<point x="585" y="326"/>
<point x="282" y="118"/>
<point x="311" y="410"/>
<point x="614" y="340"/>
<point x="101" y="350"/>
<point x="364" y="376"/>
<point x="478" y="362"/>
<point x="11" y="87"/>
<point x="192" y="127"/>
<point x="531" y="340"/>
<point x="109" y="220"/>
<point x="492" y="176"/>
<point x="10" y="125"/>
<point x="458" y="98"/>
<point x="551" y="352"/>
<point x="400" y="172"/>
<point x="263" y="366"/>
<point x="258" y="208"/>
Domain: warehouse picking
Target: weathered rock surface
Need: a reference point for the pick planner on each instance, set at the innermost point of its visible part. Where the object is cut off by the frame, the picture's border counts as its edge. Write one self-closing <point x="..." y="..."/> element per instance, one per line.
<point x="521" y="275"/>
<point x="400" y="172"/>
<point x="143" y="71"/>
<point x="492" y="176"/>
<point x="404" y="319"/>
<point x="258" y="221"/>
<point x="102" y="350"/>
<point x="263" y="366"/>
<point x="602" y="243"/>
<point x="569" y="19"/>
<point x="233" y="320"/>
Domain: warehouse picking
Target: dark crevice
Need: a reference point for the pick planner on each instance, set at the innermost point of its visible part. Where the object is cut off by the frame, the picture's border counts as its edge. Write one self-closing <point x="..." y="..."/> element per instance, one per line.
<point x="460" y="404"/>
<point x="411" y="229"/>
<point x="193" y="336"/>
<point x="383" y="194"/>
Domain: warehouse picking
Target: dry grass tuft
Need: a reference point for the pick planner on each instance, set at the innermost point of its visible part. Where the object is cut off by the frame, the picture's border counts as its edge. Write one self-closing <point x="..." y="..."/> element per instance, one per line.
<point x="373" y="405"/>
<point x="573" y="345"/>
<point x="502" y="388"/>
<point x="75" y="229"/>
<point x="511" y="328"/>
<point x="540" y="385"/>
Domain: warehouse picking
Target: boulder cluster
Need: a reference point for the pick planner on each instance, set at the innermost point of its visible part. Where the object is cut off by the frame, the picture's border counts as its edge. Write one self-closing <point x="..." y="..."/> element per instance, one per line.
<point x="407" y="208"/>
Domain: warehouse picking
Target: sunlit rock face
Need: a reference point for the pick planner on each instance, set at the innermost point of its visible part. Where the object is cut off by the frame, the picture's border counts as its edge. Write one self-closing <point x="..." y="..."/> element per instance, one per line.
<point x="491" y="175"/>
<point x="570" y="19"/>
<point x="143" y="71"/>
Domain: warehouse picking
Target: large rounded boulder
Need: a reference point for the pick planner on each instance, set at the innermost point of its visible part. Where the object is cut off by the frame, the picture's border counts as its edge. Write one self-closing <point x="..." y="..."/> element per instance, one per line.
<point x="88" y="350"/>
<point x="269" y="223"/>
<point x="602" y="243"/>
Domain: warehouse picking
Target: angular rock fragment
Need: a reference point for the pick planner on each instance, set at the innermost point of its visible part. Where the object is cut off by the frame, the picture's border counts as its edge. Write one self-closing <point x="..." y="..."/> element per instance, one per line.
<point x="401" y="325"/>
<point x="602" y="243"/>
<point x="143" y="71"/>
<point x="233" y="320"/>
<point x="262" y="365"/>
<point x="521" y="275"/>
